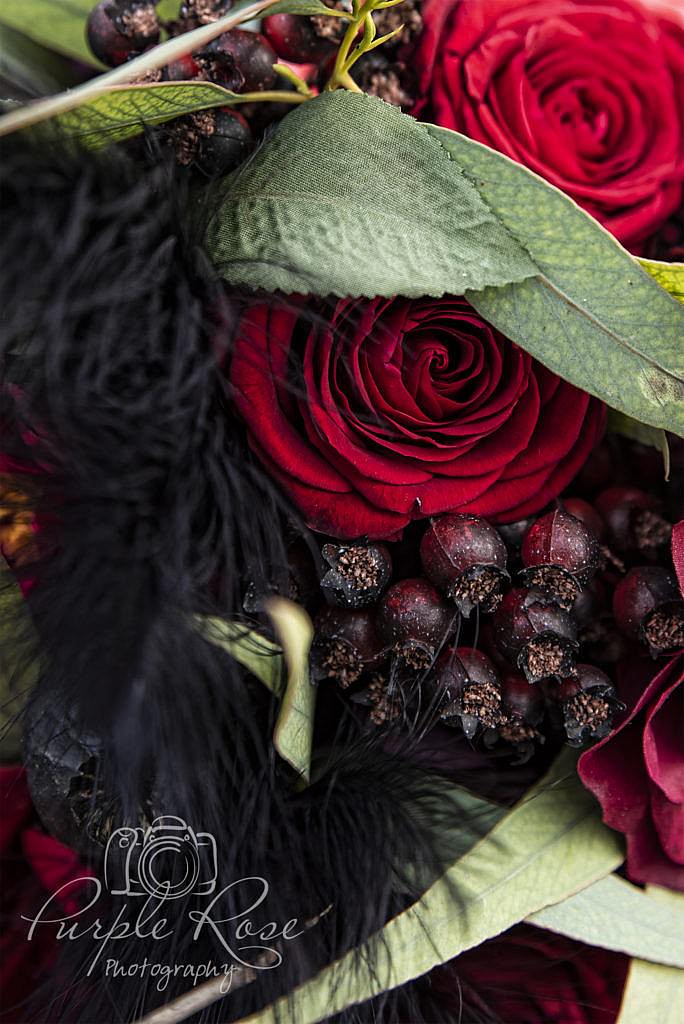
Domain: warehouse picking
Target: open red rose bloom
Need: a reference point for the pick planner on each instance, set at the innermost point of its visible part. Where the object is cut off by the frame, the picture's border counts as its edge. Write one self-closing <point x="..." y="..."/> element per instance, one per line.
<point x="396" y="410"/>
<point x="590" y="95"/>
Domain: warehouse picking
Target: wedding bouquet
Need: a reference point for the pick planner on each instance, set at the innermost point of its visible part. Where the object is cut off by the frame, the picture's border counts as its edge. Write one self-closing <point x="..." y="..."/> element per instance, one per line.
<point x="342" y="637"/>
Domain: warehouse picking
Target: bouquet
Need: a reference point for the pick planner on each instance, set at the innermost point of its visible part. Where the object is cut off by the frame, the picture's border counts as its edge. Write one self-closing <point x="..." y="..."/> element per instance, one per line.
<point x="342" y="636"/>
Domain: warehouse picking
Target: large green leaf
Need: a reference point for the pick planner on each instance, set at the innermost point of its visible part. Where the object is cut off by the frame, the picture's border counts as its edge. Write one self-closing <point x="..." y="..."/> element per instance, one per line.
<point x="270" y="663"/>
<point x="352" y="197"/>
<point x="654" y="994"/>
<point x="56" y="24"/>
<point x="615" y="915"/>
<point x="31" y="68"/>
<point x="551" y="845"/>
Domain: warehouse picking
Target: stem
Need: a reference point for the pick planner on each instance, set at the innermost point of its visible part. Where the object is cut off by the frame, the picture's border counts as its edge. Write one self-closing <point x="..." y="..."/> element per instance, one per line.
<point x="347" y="55"/>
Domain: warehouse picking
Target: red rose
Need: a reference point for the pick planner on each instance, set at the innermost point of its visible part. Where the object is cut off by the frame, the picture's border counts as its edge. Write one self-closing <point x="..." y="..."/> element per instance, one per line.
<point x="588" y="94"/>
<point x="533" y="976"/>
<point x="636" y="773"/>
<point x="399" y="409"/>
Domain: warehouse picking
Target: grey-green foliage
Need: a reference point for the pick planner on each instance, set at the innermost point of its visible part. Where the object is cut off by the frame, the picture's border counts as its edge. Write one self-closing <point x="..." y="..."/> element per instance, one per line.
<point x="351" y="197"/>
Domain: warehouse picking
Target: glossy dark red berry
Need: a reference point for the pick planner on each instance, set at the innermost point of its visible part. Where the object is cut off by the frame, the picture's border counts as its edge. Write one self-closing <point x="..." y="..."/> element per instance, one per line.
<point x="587" y="514"/>
<point x="465" y="558"/>
<point x="469" y="690"/>
<point x="347" y="644"/>
<point x="588" y="702"/>
<point x="358" y="574"/>
<point x="560" y="555"/>
<point x="118" y="30"/>
<point x="535" y="634"/>
<point x="415" y="620"/>
<point x="295" y="38"/>
<point x="248" y="52"/>
<point x="633" y="520"/>
<point x="647" y="606"/>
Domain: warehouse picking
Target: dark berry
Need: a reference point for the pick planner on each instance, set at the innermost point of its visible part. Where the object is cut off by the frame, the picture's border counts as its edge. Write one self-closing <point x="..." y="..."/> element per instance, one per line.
<point x="117" y="30"/>
<point x="227" y="145"/>
<point x="535" y="634"/>
<point x="295" y="38"/>
<point x="469" y="690"/>
<point x="465" y="557"/>
<point x="358" y="573"/>
<point x="522" y="699"/>
<point x="346" y="644"/>
<point x="560" y="555"/>
<point x="184" y="69"/>
<point x="647" y="606"/>
<point x="587" y="514"/>
<point x="407" y="16"/>
<point x="415" y="620"/>
<point x="635" y="525"/>
<point x="248" y="52"/>
<point x="391" y="81"/>
<point x="588" y="702"/>
<point x="522" y="709"/>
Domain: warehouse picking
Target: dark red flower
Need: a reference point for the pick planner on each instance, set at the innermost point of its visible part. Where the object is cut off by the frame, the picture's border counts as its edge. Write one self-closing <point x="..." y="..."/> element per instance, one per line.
<point x="636" y="772"/>
<point x="398" y="409"/>
<point x="588" y="94"/>
<point x="531" y="975"/>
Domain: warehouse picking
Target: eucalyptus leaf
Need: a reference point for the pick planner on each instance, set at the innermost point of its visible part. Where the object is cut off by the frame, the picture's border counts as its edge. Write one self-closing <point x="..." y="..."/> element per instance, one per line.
<point x="56" y="24"/>
<point x="654" y="993"/>
<point x="551" y="845"/>
<point x="29" y="67"/>
<point x="301" y="7"/>
<point x="293" y="734"/>
<point x="351" y="197"/>
<point x="255" y="652"/>
<point x="669" y="276"/>
<point x="616" y="915"/>
<point x="269" y="662"/>
<point x="654" y="437"/>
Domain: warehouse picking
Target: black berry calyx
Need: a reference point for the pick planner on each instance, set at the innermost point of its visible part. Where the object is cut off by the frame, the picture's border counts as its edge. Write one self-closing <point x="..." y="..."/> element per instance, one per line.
<point x="535" y="634"/>
<point x="346" y="644"/>
<point x="469" y="690"/>
<point x="465" y="558"/>
<point x="588" y="702"/>
<point x="358" y="574"/>
<point x="647" y="606"/>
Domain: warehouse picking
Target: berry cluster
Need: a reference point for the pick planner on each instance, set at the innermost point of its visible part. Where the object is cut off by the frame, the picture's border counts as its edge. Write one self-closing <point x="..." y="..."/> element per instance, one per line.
<point x="216" y="141"/>
<point x="510" y="635"/>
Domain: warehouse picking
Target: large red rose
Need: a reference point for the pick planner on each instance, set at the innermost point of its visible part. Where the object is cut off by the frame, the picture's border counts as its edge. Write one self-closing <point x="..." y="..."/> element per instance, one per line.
<point x="398" y="409"/>
<point x="587" y="93"/>
<point x="636" y="773"/>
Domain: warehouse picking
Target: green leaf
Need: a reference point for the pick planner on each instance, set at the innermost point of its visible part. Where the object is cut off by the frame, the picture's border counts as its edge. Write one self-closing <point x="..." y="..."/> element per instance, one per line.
<point x="158" y="57"/>
<point x="19" y="665"/>
<point x="258" y="655"/>
<point x="293" y="734"/>
<point x="57" y="24"/>
<point x="654" y="437"/>
<point x="123" y="110"/>
<point x="551" y="845"/>
<point x="351" y="197"/>
<point x="29" y="66"/>
<point x="669" y="276"/>
<point x="615" y="915"/>
<point x="654" y="994"/>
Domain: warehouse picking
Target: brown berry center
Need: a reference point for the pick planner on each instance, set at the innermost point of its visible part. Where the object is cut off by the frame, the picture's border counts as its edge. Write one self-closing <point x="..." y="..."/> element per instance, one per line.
<point x="482" y="701"/>
<point x="360" y="567"/>
<point x="664" y="628"/>
<point x="587" y="710"/>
